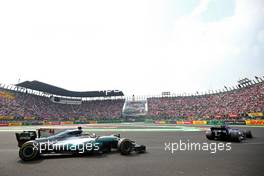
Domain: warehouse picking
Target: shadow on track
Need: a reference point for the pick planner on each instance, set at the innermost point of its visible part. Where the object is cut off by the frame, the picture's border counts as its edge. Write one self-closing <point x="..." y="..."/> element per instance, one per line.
<point x="63" y="156"/>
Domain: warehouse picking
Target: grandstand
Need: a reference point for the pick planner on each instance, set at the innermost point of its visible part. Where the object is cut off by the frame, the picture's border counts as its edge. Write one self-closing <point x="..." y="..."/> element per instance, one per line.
<point x="245" y="101"/>
<point x="39" y="102"/>
<point x="36" y="101"/>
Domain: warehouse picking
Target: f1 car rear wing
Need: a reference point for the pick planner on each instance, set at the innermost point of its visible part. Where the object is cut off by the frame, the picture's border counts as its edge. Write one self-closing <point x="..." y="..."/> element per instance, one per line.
<point x="32" y="135"/>
<point x="25" y="136"/>
<point x="39" y="133"/>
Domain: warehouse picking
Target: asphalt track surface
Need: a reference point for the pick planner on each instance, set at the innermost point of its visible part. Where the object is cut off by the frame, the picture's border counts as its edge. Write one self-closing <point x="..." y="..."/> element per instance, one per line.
<point x="244" y="158"/>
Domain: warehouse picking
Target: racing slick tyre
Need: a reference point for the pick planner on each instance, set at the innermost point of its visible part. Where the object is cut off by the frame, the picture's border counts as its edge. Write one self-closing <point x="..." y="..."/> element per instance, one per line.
<point x="248" y="134"/>
<point x="209" y="135"/>
<point x="29" y="151"/>
<point x="235" y="137"/>
<point x="125" y="146"/>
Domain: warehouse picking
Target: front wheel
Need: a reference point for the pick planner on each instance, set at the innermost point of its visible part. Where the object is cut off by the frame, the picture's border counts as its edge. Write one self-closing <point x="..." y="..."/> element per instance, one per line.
<point x="28" y="151"/>
<point x="248" y="134"/>
<point x="125" y="146"/>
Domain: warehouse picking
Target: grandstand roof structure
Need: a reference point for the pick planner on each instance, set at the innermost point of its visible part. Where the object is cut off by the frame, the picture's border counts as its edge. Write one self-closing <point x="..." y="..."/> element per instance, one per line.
<point x="50" y="89"/>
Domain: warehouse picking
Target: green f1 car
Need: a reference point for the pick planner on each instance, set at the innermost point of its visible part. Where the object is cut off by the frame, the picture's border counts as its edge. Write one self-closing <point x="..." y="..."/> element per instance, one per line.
<point x="72" y="141"/>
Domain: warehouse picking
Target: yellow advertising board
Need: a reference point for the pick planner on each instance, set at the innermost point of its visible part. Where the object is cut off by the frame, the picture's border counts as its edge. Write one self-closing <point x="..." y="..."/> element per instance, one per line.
<point x="199" y="122"/>
<point x="15" y="124"/>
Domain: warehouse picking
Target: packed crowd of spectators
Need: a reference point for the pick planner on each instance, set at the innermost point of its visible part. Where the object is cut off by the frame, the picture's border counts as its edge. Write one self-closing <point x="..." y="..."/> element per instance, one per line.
<point x="19" y="105"/>
<point x="235" y="103"/>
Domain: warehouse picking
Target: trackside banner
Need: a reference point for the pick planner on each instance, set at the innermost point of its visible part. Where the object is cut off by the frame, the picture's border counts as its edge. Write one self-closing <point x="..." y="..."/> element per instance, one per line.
<point x="235" y="122"/>
<point x="54" y="123"/>
<point x="92" y="122"/>
<point x="183" y="122"/>
<point x="66" y="123"/>
<point x="79" y="122"/>
<point x="199" y="122"/>
<point x="38" y="123"/>
<point x="160" y="122"/>
<point x="215" y="122"/>
<point x="171" y="122"/>
<point x="29" y="118"/>
<point x="15" y="124"/>
<point x="148" y="121"/>
<point x="3" y="124"/>
<point x="195" y="122"/>
<point x="110" y="121"/>
<point x="255" y="122"/>
<point x="28" y="123"/>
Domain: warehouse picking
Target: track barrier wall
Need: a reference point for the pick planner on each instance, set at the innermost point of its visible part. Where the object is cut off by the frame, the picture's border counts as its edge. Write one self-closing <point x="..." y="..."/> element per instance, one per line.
<point x="213" y="122"/>
<point x="160" y="122"/>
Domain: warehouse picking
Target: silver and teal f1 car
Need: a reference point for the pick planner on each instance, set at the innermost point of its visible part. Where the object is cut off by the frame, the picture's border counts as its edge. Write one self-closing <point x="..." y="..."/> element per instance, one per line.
<point x="72" y="141"/>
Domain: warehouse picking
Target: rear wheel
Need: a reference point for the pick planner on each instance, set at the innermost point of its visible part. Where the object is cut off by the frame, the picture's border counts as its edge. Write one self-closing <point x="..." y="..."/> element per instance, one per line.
<point x="125" y="146"/>
<point x="235" y="137"/>
<point x="28" y="151"/>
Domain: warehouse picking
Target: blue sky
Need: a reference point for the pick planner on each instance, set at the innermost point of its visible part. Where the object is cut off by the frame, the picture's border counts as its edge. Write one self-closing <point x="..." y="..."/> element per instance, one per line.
<point x="218" y="10"/>
<point x="142" y="47"/>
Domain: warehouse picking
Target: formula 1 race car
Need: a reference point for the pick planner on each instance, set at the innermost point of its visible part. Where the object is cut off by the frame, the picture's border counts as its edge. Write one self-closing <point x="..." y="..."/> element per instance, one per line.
<point x="225" y="133"/>
<point x="72" y="141"/>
